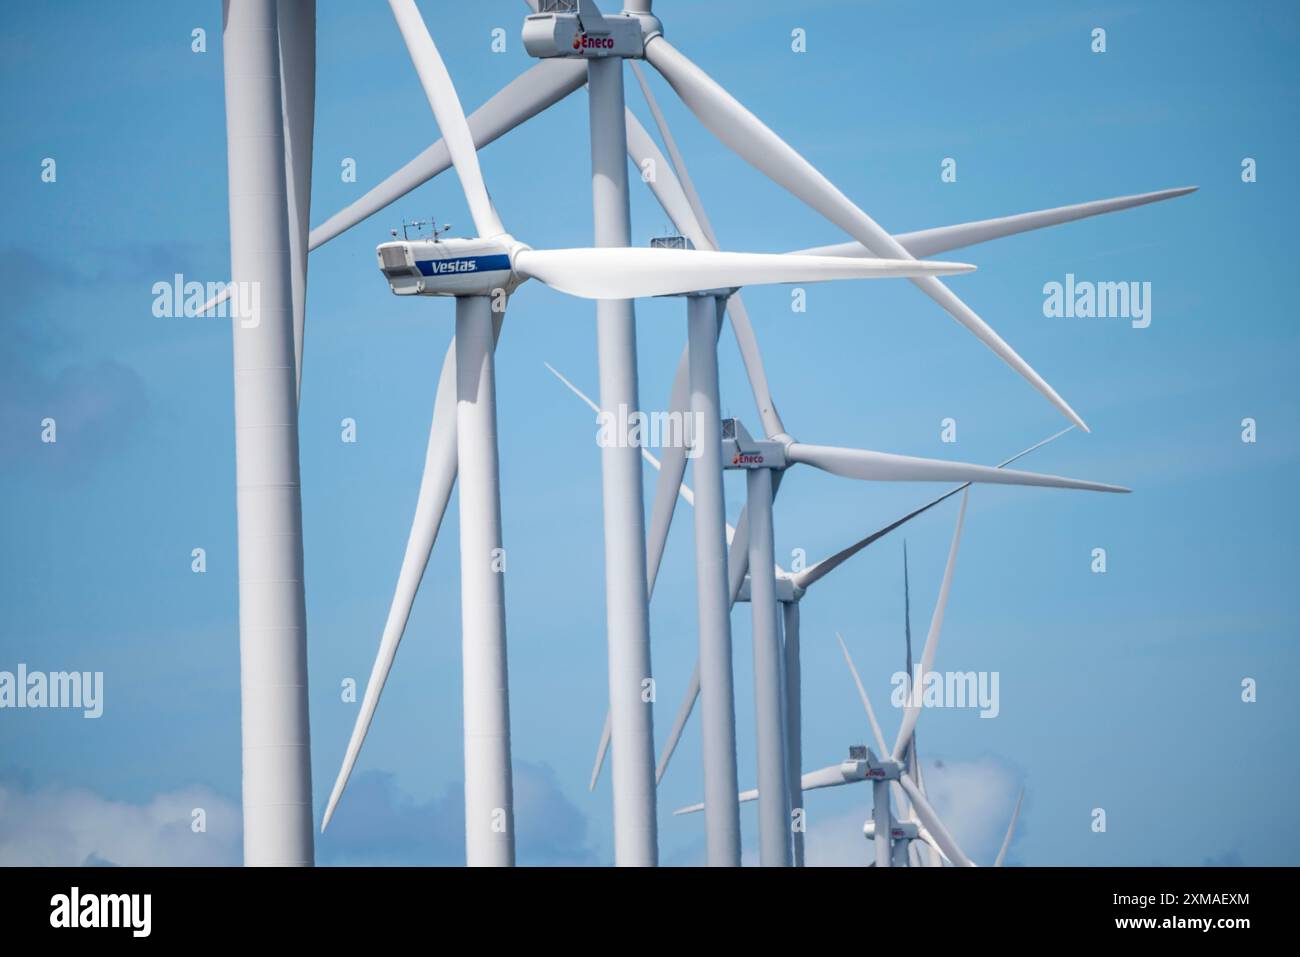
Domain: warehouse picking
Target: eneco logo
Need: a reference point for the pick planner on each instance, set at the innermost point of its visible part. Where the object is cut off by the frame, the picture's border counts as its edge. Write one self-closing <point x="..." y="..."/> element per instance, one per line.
<point x="584" y="42"/>
<point x="747" y="458"/>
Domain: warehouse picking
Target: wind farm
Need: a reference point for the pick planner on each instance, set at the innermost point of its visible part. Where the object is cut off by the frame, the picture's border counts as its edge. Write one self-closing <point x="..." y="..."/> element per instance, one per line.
<point x="547" y="421"/>
<point x="481" y="273"/>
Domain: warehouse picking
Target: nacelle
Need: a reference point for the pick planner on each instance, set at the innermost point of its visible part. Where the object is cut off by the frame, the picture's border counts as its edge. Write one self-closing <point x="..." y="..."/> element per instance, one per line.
<point x="448" y="267"/>
<point x="898" y="830"/>
<point x="741" y="451"/>
<point x="560" y="34"/>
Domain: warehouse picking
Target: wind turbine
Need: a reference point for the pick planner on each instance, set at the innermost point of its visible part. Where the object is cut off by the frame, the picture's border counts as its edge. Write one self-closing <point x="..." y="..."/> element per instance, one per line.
<point x="269" y="66"/>
<point x="270" y="528"/>
<point x="480" y="274"/>
<point x="682" y="203"/>
<point x="871" y="829"/>
<point x="779" y="455"/>
<point x="781" y="704"/>
<point x="907" y="829"/>
<point x="887" y="765"/>
<point x="268" y="133"/>
<point x="791" y="587"/>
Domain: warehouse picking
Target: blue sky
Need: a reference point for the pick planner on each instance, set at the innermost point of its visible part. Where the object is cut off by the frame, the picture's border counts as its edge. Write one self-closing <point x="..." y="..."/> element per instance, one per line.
<point x="1120" y="691"/>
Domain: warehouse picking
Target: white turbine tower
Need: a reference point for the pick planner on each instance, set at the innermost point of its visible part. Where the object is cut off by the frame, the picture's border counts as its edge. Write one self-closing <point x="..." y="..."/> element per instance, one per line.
<point x="480" y="273"/>
<point x="265" y="45"/>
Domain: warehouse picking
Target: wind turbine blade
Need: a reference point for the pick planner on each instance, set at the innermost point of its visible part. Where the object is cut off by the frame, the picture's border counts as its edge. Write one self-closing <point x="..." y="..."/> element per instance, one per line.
<point x="907" y="604"/>
<point x="670" y="481"/>
<point x="602" y="750"/>
<point x="934" y="856"/>
<point x="740" y="324"/>
<point x="450" y="116"/>
<point x="745" y="798"/>
<point x="641" y="150"/>
<point x="931" y="856"/>
<point x="297" y="34"/>
<point x="866" y="701"/>
<point x="668" y="488"/>
<point x="632" y="273"/>
<point x="931" y="843"/>
<point x="818" y="571"/>
<point x="943" y="841"/>
<point x="900" y="799"/>
<point x="942" y="239"/>
<point x="439" y="476"/>
<point x="537" y="88"/>
<point x="683" y="712"/>
<point x="683" y="489"/>
<point x="754" y="142"/>
<point x="828" y="777"/>
<point x="815" y="573"/>
<point x="751" y="355"/>
<point x="679" y="163"/>
<point x="222" y="295"/>
<point x="1011" y="830"/>
<point x="885" y="467"/>
<point x="913" y="710"/>
<point x="831" y="776"/>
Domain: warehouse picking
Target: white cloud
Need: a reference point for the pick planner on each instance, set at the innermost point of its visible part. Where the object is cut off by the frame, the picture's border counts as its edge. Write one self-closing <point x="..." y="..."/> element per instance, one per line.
<point x="838" y="841"/>
<point x="69" y="827"/>
<point x="975" y="800"/>
<point x="375" y="825"/>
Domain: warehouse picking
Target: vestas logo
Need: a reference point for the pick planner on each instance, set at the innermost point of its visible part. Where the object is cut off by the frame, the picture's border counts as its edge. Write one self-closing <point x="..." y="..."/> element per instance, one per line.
<point x="439" y="266"/>
<point x="747" y="458"/>
<point x="444" y="267"/>
<point x="584" y="42"/>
